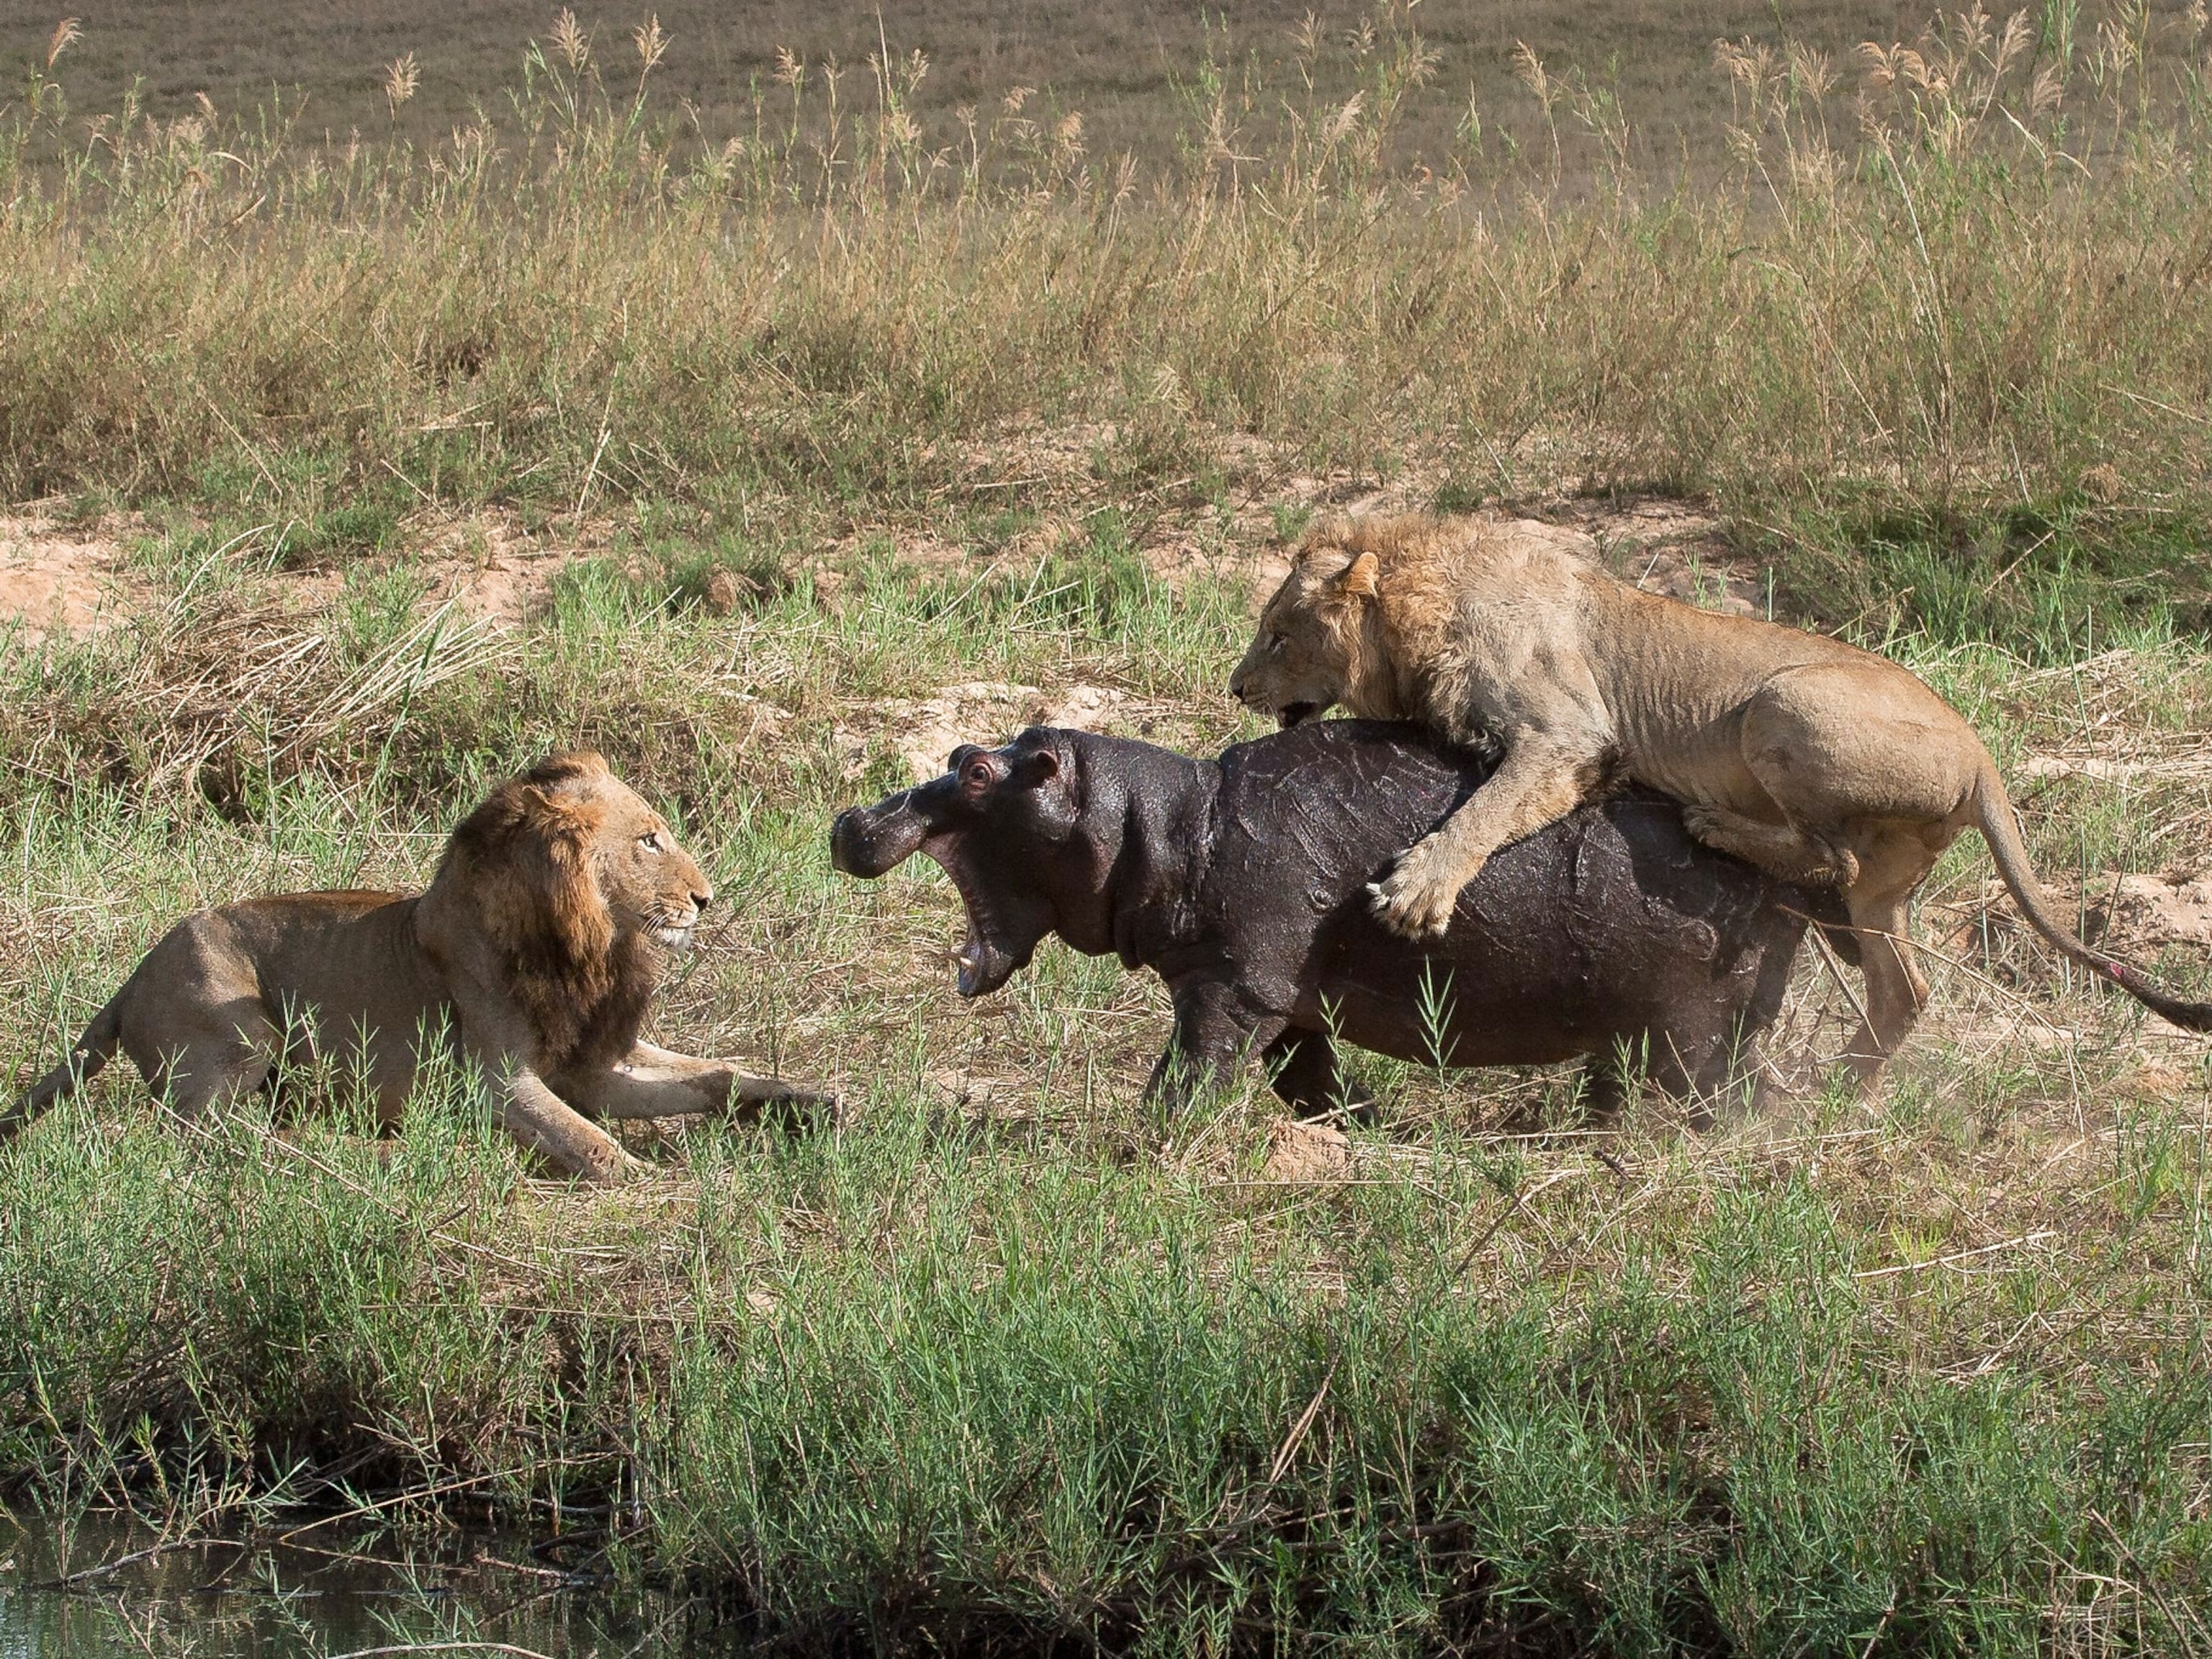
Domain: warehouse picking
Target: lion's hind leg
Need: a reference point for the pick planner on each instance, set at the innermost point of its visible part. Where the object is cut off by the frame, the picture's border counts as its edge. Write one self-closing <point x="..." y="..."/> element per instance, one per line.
<point x="222" y="1052"/>
<point x="193" y="1020"/>
<point x="1881" y="907"/>
<point x="1870" y="761"/>
<point x="1778" y="848"/>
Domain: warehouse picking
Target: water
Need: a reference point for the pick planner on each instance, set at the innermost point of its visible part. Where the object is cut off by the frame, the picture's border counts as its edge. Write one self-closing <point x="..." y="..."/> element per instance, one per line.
<point x="324" y="1593"/>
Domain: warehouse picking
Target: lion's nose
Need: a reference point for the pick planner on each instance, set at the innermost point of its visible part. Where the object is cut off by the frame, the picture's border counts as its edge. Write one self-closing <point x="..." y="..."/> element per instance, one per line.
<point x="700" y="901"/>
<point x="1236" y="687"/>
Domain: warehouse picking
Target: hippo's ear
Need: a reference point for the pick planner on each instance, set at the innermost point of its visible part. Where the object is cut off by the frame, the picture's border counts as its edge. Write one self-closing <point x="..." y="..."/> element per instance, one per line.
<point x="1052" y="793"/>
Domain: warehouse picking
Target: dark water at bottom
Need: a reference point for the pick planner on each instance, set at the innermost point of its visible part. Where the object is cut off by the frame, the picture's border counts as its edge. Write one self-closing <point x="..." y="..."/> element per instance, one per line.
<point x="96" y="1587"/>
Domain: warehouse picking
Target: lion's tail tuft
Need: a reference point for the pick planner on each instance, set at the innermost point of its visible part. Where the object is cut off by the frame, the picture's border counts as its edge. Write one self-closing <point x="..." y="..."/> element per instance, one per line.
<point x="91" y="1053"/>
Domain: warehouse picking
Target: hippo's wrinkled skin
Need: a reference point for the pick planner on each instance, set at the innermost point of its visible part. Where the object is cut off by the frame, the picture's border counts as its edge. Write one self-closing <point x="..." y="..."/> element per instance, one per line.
<point x="1242" y="883"/>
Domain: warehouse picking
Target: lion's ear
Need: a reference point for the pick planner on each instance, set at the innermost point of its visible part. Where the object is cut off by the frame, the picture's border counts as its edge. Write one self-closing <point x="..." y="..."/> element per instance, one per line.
<point x="1359" y="578"/>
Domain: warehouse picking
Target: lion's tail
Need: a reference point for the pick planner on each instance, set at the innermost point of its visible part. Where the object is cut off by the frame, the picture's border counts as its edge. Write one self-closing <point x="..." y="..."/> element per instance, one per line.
<point x="1994" y="815"/>
<point x="85" y="1061"/>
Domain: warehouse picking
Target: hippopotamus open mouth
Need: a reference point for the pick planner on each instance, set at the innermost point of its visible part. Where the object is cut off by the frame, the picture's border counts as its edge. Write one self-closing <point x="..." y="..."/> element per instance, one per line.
<point x="951" y="821"/>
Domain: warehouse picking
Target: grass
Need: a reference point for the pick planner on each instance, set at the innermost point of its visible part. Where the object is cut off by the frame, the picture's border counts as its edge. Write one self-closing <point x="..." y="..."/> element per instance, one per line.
<point x="1006" y="1363"/>
<point x="1971" y="316"/>
<point x="1006" y="1360"/>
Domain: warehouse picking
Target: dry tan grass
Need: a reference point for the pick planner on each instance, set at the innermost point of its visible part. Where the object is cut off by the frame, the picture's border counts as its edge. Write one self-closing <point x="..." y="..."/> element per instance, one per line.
<point x="771" y="487"/>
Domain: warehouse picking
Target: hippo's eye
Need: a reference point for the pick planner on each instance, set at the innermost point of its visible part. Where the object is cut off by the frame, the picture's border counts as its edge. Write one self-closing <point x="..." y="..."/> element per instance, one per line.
<point x="979" y="772"/>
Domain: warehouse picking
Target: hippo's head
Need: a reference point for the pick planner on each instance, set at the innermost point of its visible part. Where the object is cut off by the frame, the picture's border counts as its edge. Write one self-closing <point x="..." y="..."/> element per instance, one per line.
<point x="1004" y="824"/>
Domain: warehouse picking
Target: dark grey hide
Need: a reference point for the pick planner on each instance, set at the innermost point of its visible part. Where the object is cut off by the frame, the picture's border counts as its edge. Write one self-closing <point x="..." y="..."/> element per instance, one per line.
<point x="1242" y="883"/>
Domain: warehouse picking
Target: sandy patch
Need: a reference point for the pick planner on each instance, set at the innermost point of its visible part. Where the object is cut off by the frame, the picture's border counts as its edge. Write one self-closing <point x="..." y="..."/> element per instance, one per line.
<point x="1100" y="709"/>
<point x="2131" y="915"/>
<point x="60" y="580"/>
<point x="1302" y="1152"/>
<point x="2175" y="758"/>
<point x="2151" y="912"/>
<point x="1668" y="547"/>
<point x="491" y="565"/>
<point x="924" y="731"/>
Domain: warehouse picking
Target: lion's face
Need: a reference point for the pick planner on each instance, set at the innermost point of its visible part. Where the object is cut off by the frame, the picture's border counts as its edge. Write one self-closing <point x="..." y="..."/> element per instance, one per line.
<point x="1302" y="659"/>
<point x="652" y="886"/>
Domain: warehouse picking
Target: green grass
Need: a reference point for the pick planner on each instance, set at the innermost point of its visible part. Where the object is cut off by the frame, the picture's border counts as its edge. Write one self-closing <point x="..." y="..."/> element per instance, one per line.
<point x="1031" y="1368"/>
<point x="1007" y="1362"/>
<point x="872" y="1385"/>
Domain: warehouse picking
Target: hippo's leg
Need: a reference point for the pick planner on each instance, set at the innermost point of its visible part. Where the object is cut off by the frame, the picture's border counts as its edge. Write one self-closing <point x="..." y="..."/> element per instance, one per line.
<point x="1608" y="1079"/>
<point x="1307" y="1078"/>
<point x="1702" y="1068"/>
<point x="1215" y="1029"/>
<point x="1690" y="1067"/>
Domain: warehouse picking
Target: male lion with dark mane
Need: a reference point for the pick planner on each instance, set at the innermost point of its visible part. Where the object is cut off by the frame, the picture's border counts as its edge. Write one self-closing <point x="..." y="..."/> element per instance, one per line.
<point x="535" y="952"/>
<point x="1811" y="759"/>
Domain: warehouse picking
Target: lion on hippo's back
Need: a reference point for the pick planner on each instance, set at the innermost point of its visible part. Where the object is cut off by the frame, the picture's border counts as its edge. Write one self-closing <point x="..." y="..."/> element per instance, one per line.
<point x="536" y="952"/>
<point x="1816" y="761"/>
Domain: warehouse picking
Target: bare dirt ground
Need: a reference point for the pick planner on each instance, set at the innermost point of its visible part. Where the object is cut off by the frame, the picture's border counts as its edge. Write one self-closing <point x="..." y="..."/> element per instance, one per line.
<point x="75" y="580"/>
<point x="59" y="579"/>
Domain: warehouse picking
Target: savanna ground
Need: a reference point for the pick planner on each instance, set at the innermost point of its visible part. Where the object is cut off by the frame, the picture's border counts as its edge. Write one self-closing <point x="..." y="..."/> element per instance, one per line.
<point x="774" y="451"/>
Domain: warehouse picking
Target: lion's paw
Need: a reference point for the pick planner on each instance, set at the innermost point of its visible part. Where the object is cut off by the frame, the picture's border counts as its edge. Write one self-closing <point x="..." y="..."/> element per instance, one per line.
<point x="809" y="1108"/>
<point x="616" y="1166"/>
<point x="1415" y="900"/>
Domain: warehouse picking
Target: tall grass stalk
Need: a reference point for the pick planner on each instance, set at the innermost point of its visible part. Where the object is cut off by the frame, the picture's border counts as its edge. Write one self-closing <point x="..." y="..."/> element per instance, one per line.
<point x="1979" y="282"/>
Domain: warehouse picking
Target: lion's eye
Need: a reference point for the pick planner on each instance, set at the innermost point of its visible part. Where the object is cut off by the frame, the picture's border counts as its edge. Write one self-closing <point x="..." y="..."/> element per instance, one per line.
<point x="650" y="841"/>
<point x="1275" y="645"/>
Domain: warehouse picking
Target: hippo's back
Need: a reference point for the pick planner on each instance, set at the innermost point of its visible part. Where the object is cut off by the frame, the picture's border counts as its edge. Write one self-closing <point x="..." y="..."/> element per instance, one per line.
<point x="1598" y="924"/>
<point x="1333" y="802"/>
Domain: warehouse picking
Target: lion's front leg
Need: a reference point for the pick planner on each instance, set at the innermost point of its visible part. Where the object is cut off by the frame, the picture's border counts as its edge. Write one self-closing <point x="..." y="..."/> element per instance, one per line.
<point x="653" y="1082"/>
<point x="547" y="1125"/>
<point x="1537" y="783"/>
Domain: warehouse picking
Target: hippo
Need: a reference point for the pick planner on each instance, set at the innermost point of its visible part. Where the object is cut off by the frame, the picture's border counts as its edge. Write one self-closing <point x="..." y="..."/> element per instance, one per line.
<point x="1243" y="883"/>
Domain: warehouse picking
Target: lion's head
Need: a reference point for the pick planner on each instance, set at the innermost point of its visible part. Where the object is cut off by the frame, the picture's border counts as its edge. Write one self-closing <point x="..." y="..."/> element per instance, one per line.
<point x="1310" y="650"/>
<point x="580" y="888"/>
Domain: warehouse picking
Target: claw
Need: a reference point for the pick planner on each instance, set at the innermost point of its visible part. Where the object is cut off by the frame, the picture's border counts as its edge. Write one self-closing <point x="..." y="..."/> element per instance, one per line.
<point x="1411" y="911"/>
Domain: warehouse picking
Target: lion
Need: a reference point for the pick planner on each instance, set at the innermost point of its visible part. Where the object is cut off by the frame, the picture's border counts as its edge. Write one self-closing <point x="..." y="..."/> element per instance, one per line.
<point x="535" y="953"/>
<point x="1811" y="759"/>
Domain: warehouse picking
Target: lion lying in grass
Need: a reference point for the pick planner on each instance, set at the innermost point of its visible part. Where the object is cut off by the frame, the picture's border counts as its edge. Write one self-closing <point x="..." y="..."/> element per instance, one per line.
<point x="536" y="952"/>
<point x="1811" y="759"/>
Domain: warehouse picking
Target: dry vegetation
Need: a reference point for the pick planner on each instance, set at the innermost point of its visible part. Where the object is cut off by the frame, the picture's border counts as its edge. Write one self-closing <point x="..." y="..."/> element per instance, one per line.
<point x="774" y="468"/>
